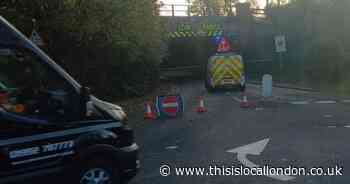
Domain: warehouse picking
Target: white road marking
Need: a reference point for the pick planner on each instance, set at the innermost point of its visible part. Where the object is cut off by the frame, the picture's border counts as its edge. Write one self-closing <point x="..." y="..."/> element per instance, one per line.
<point x="346" y="101"/>
<point x="255" y="149"/>
<point x="171" y="147"/>
<point x="332" y="126"/>
<point x="300" y="103"/>
<point x="347" y="126"/>
<point x="325" y="102"/>
<point x="327" y="116"/>
<point x="237" y="99"/>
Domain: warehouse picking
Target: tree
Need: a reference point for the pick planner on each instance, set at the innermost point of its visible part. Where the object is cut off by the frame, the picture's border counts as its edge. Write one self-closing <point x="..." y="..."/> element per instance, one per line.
<point x="112" y="43"/>
<point x="216" y="7"/>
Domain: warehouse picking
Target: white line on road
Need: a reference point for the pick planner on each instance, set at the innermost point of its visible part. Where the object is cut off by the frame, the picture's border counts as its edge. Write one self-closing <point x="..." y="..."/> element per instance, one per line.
<point x="327" y="116"/>
<point x="300" y="103"/>
<point x="237" y="99"/>
<point x="171" y="147"/>
<point x="346" y="101"/>
<point x="326" y="102"/>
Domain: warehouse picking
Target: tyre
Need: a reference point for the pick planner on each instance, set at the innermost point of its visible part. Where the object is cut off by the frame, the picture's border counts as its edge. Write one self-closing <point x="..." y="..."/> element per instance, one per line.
<point x="98" y="171"/>
<point x="209" y="87"/>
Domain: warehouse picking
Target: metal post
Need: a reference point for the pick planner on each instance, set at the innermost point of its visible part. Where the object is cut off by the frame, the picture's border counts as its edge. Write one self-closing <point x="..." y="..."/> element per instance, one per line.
<point x="189" y="10"/>
<point x="34" y="23"/>
<point x="281" y="61"/>
<point x="267" y="4"/>
<point x="173" y="10"/>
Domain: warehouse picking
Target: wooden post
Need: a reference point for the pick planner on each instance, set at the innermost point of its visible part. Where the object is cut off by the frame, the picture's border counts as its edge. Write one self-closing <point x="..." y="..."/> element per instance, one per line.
<point x="173" y="10"/>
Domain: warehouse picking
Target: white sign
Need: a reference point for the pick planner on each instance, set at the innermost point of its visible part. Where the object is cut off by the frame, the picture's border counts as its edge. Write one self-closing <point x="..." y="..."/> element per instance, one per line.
<point x="35" y="37"/>
<point x="280" y="43"/>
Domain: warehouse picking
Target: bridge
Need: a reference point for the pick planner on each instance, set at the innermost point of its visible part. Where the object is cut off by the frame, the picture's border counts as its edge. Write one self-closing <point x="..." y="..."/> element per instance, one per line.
<point x="190" y="36"/>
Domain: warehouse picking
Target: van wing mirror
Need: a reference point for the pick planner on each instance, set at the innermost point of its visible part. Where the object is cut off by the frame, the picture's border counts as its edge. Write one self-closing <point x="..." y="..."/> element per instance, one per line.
<point x="85" y="93"/>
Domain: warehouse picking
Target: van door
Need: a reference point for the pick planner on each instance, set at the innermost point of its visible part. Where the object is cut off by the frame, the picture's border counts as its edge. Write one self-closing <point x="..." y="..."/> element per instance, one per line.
<point x="35" y="103"/>
<point x="225" y="70"/>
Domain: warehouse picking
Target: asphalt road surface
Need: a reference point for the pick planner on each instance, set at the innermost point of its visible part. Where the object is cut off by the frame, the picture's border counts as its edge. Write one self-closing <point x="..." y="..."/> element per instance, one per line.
<point x="295" y="128"/>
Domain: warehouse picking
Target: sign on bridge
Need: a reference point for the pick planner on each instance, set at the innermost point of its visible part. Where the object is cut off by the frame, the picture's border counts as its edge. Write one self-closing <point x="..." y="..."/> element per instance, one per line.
<point x="280" y="43"/>
<point x="205" y="29"/>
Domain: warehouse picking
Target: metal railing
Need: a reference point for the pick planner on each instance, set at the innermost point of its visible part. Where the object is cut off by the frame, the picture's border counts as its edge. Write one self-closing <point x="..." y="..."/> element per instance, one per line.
<point x="195" y="70"/>
<point x="186" y="10"/>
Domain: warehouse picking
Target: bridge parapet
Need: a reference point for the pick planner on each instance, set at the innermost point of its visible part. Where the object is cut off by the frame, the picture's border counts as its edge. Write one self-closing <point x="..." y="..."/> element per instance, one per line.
<point x="239" y="9"/>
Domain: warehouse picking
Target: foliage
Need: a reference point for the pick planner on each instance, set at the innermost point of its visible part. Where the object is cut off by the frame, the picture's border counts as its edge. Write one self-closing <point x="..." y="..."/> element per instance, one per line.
<point x="111" y="45"/>
<point x="216" y="7"/>
<point x="318" y="37"/>
<point x="324" y="61"/>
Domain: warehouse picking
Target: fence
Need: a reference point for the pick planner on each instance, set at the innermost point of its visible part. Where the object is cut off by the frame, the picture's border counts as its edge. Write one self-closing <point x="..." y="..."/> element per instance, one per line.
<point x="186" y="10"/>
<point x="255" y="69"/>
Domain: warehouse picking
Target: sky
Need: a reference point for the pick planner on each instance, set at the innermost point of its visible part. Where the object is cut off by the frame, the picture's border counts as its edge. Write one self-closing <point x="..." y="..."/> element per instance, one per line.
<point x="182" y="10"/>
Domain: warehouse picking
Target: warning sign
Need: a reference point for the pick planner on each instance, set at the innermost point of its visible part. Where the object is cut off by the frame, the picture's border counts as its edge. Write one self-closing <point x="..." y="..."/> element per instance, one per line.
<point x="224" y="46"/>
<point x="35" y="37"/>
<point x="169" y="106"/>
<point x="280" y="43"/>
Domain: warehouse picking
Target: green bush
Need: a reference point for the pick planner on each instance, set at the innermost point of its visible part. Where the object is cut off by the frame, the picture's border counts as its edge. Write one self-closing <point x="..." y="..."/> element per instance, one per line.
<point x="324" y="61"/>
<point x="112" y="46"/>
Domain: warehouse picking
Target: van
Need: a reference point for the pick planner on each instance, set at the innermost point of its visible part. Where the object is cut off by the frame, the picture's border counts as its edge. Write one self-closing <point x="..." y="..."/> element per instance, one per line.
<point x="225" y="71"/>
<point x="51" y="125"/>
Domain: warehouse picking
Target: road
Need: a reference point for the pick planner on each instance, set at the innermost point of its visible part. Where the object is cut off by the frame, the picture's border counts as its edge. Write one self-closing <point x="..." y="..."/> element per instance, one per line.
<point x="304" y="129"/>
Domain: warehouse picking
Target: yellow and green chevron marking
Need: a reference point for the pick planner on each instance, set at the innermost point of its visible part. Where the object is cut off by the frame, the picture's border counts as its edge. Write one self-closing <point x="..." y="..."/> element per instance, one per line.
<point x="226" y="67"/>
<point x="184" y="34"/>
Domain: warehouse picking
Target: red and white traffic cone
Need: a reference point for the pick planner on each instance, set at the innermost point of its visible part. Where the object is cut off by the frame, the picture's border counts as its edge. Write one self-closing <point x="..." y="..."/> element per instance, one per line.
<point x="245" y="103"/>
<point x="201" y="107"/>
<point x="149" y="114"/>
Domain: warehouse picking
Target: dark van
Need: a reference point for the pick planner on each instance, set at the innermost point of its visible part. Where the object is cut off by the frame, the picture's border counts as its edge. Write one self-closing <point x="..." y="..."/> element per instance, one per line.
<point x="50" y="124"/>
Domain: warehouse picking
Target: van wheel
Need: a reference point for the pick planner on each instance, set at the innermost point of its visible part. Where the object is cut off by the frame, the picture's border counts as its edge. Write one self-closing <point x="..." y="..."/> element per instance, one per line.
<point x="209" y="88"/>
<point x="99" y="172"/>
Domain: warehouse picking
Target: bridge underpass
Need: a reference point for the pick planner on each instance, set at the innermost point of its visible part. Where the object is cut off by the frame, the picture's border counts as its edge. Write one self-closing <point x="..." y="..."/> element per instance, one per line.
<point x="191" y="41"/>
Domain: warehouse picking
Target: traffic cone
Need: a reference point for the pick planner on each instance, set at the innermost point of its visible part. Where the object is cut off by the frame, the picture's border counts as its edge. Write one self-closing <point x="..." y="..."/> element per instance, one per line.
<point x="245" y="103"/>
<point x="149" y="114"/>
<point x="201" y="107"/>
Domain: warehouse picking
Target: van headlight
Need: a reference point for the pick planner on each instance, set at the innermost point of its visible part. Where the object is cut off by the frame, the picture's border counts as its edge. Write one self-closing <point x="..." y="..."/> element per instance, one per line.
<point x="118" y="114"/>
<point x="113" y="110"/>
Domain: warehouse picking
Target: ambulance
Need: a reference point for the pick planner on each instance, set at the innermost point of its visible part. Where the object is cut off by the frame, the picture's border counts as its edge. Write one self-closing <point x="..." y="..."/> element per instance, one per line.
<point x="225" y="69"/>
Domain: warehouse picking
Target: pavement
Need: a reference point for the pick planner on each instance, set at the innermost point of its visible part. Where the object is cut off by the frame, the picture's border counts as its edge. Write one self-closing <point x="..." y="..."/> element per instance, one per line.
<point x="293" y="128"/>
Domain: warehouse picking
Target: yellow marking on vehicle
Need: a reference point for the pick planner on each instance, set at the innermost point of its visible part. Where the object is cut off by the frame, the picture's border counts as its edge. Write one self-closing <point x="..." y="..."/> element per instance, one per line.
<point x="236" y="70"/>
<point x="217" y="64"/>
<point x="225" y="68"/>
<point x="225" y="73"/>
